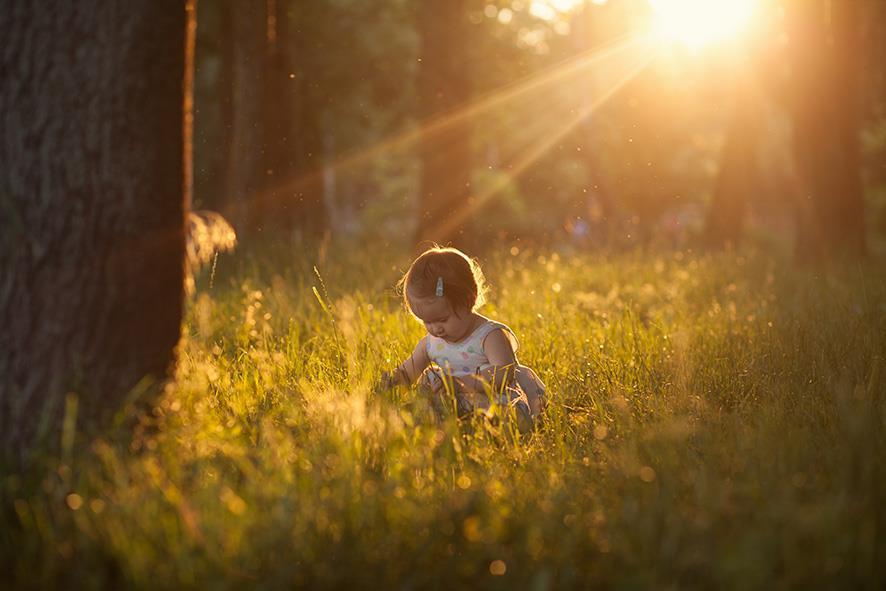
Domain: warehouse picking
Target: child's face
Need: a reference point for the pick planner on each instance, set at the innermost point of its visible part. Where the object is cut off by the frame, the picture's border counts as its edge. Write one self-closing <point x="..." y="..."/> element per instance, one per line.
<point x="441" y="320"/>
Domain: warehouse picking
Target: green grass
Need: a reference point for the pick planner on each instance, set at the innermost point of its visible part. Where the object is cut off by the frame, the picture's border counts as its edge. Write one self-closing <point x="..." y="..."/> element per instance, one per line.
<point x="715" y="422"/>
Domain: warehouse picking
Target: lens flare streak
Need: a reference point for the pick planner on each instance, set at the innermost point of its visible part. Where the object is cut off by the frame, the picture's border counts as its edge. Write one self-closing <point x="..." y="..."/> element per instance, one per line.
<point x="572" y="73"/>
<point x="543" y="145"/>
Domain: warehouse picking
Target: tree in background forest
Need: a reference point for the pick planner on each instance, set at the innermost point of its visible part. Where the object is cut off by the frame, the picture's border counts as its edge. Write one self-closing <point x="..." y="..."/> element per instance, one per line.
<point x="270" y="137"/>
<point x="825" y="49"/>
<point x="281" y="99"/>
<point x="738" y="170"/>
<point x="820" y="90"/>
<point x="92" y="227"/>
<point x="443" y="85"/>
<point x="290" y="102"/>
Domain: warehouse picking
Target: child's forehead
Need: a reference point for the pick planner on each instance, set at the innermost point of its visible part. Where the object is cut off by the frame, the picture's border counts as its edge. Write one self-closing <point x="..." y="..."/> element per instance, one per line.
<point x="429" y="308"/>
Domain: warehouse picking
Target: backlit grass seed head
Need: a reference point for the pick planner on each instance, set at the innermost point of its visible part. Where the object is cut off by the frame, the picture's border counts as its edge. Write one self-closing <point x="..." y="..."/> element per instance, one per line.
<point x="208" y="234"/>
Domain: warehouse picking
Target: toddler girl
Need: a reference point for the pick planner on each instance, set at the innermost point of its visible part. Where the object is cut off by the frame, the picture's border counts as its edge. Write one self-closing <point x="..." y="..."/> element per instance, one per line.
<point x="464" y="353"/>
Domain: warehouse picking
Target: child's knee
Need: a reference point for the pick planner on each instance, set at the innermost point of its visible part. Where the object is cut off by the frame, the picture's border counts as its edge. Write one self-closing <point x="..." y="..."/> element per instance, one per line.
<point x="523" y="414"/>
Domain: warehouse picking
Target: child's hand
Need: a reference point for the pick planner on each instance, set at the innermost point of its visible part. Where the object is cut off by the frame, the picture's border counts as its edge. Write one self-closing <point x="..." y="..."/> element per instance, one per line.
<point x="390" y="379"/>
<point x="386" y="381"/>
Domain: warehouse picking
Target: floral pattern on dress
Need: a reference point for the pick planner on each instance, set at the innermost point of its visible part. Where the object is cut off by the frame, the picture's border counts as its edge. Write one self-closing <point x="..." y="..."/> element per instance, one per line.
<point x="467" y="357"/>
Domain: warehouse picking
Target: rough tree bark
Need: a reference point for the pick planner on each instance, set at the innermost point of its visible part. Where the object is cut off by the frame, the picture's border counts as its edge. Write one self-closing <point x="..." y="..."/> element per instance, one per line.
<point x="91" y="185"/>
<point x="444" y="84"/>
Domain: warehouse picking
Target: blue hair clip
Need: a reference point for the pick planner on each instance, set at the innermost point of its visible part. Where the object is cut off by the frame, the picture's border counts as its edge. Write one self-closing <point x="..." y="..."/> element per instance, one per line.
<point x="439" y="291"/>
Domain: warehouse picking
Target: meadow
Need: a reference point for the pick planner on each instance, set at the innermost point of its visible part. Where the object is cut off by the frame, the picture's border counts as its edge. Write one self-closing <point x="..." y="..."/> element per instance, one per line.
<point x="715" y="421"/>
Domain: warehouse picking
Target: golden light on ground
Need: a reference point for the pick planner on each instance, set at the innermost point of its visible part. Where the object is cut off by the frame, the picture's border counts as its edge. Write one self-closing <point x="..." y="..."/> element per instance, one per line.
<point x="696" y="23"/>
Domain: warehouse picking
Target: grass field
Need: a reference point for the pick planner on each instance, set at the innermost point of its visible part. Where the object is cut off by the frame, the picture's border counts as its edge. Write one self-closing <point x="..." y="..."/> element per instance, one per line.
<point x="715" y="422"/>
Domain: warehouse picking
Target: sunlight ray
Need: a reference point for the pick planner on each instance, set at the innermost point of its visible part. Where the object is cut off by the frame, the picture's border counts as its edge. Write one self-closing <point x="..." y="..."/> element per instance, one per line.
<point x="497" y="98"/>
<point x="541" y="82"/>
<point x="538" y="150"/>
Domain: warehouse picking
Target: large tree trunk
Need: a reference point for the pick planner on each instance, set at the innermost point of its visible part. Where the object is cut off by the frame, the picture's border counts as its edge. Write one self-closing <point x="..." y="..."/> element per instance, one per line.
<point x="825" y="38"/>
<point x="444" y="84"/>
<point x="93" y="216"/>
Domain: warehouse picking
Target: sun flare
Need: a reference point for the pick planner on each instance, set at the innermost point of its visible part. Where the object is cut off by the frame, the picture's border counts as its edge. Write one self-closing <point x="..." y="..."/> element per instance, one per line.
<point x="696" y="23"/>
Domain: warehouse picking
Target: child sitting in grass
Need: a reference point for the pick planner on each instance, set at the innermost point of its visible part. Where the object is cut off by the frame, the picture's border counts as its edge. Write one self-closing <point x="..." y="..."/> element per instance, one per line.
<point x="464" y="354"/>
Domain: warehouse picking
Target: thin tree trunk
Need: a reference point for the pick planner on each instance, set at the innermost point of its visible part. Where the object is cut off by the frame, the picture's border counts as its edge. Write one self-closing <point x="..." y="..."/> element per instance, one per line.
<point x="279" y="163"/>
<point x="307" y="100"/>
<point x="598" y="208"/>
<point x="245" y="161"/>
<point x="444" y="84"/>
<point x="738" y="167"/>
<point x="825" y="38"/>
<point x="226" y="91"/>
<point x="274" y="182"/>
<point x="93" y="228"/>
<point x="188" y="103"/>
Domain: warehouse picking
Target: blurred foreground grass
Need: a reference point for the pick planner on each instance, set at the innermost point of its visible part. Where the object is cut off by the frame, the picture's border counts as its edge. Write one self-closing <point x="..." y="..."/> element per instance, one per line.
<point x="715" y="422"/>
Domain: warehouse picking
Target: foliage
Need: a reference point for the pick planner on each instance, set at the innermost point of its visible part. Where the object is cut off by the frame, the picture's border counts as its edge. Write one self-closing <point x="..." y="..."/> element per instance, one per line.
<point x="650" y="154"/>
<point x="715" y="421"/>
<point x="359" y="91"/>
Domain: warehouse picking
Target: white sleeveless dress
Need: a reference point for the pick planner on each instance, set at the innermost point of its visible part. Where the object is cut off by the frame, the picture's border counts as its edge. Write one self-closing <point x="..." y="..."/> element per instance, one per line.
<point x="467" y="358"/>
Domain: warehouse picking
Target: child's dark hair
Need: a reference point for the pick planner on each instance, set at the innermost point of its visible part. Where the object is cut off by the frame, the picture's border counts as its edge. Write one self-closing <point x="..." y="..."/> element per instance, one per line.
<point x="458" y="276"/>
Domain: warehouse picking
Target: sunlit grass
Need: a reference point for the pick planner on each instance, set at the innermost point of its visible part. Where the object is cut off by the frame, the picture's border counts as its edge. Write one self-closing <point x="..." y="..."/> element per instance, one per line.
<point x="714" y="422"/>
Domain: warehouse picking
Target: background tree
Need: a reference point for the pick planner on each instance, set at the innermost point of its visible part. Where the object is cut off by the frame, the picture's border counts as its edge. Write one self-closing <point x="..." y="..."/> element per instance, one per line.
<point x="292" y="190"/>
<point x="279" y="105"/>
<point x="230" y="96"/>
<point x="93" y="209"/>
<point x="443" y="85"/>
<point x="307" y="132"/>
<point x="826" y="58"/>
<point x="737" y="172"/>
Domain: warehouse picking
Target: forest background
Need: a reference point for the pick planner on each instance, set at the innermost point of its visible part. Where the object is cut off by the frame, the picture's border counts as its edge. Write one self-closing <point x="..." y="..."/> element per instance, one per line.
<point x="696" y="142"/>
<point x="204" y="207"/>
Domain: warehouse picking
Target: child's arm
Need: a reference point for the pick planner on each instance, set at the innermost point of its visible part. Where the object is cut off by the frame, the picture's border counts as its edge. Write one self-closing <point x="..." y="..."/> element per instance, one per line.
<point x="503" y="363"/>
<point x="407" y="372"/>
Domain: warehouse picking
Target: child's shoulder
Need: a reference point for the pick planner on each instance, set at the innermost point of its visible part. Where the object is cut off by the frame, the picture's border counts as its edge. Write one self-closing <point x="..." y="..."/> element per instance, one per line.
<point x="491" y="326"/>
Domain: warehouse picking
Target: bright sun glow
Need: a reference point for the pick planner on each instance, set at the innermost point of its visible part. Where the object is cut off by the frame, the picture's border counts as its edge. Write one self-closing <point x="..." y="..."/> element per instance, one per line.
<point x="698" y="22"/>
<point x="550" y="10"/>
